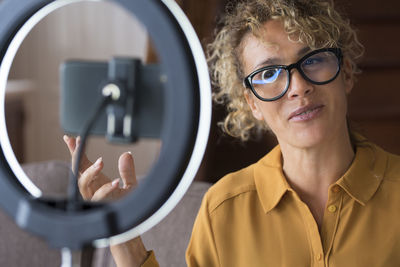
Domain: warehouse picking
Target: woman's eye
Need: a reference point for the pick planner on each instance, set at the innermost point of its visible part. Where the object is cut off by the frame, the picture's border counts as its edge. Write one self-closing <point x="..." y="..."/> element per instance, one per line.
<point x="314" y="60"/>
<point x="311" y="61"/>
<point x="270" y="75"/>
<point x="266" y="76"/>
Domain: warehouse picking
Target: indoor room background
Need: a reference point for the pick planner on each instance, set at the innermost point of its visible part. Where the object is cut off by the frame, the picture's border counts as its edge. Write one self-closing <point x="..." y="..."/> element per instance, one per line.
<point x="100" y="31"/>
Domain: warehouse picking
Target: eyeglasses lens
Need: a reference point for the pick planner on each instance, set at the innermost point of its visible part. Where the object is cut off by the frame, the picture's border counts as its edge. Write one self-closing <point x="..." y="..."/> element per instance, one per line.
<point x="271" y="82"/>
<point x="320" y="67"/>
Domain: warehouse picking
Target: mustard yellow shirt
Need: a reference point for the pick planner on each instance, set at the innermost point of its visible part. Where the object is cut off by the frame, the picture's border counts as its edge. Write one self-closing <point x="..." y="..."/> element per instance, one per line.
<point x="253" y="218"/>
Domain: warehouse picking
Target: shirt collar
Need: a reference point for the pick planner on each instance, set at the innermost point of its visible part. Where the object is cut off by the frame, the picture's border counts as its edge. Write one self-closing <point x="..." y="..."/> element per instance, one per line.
<point x="360" y="181"/>
<point x="366" y="173"/>
<point x="269" y="179"/>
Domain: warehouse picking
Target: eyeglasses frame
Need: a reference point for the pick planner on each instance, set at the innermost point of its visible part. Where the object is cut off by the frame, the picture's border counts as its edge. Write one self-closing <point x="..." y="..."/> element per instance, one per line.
<point x="288" y="68"/>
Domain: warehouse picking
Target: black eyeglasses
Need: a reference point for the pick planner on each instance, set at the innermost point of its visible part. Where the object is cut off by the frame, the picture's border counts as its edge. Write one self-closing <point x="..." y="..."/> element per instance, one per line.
<point x="318" y="67"/>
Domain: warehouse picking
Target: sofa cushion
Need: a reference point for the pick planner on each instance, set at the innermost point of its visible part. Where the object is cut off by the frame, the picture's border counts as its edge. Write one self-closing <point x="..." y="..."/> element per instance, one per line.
<point x="19" y="248"/>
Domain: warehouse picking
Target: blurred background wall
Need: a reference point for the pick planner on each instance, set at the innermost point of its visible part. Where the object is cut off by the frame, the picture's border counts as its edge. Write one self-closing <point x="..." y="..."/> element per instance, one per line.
<point x="87" y="31"/>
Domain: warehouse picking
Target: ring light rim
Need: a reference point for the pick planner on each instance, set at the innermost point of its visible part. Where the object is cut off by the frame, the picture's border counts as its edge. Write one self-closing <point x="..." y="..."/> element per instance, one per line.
<point x="201" y="135"/>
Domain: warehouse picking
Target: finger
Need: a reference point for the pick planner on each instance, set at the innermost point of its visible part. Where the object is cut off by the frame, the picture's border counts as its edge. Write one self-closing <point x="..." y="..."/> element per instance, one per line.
<point x="73" y="144"/>
<point x="70" y="142"/>
<point x="85" y="163"/>
<point x="126" y="169"/>
<point x="106" y="191"/>
<point x="86" y="179"/>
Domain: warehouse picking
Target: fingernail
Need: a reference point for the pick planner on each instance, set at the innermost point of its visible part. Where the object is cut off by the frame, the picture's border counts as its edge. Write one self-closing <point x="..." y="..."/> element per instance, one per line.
<point x="115" y="182"/>
<point x="98" y="162"/>
<point x="127" y="186"/>
<point x="66" y="138"/>
<point x="130" y="152"/>
<point x="78" y="140"/>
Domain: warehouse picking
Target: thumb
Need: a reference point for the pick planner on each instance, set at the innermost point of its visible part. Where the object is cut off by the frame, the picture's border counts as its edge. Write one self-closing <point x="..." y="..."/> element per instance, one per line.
<point x="126" y="169"/>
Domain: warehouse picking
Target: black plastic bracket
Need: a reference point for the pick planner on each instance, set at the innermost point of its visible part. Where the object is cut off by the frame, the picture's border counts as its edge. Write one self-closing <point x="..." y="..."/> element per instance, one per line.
<point x="123" y="74"/>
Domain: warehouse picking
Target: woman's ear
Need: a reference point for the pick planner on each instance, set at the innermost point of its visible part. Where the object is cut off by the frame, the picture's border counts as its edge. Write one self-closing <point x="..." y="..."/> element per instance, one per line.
<point x="253" y="105"/>
<point x="348" y="75"/>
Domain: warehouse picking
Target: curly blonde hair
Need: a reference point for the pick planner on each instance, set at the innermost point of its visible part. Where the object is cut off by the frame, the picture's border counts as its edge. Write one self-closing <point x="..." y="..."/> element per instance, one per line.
<point x="312" y="22"/>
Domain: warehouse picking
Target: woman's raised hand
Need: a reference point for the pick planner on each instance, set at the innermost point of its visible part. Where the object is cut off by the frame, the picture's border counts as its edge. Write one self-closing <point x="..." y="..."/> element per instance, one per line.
<point x="93" y="184"/>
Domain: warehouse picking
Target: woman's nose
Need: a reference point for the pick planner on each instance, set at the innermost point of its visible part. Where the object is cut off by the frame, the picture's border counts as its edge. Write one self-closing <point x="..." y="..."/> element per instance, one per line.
<point x="298" y="86"/>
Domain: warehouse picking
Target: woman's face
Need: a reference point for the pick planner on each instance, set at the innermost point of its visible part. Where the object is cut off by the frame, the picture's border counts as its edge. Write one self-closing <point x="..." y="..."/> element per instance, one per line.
<point x="307" y="114"/>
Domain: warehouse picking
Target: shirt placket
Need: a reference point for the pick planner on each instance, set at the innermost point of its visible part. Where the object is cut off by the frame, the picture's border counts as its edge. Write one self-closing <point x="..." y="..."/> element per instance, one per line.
<point x="316" y="249"/>
<point x="321" y="243"/>
<point x="331" y="220"/>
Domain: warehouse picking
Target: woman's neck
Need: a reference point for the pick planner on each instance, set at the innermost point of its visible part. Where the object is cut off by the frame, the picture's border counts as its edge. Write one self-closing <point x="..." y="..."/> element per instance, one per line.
<point x="311" y="170"/>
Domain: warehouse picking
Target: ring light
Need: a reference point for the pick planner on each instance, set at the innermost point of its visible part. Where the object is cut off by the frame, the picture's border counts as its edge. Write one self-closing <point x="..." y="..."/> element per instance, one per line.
<point x="187" y="119"/>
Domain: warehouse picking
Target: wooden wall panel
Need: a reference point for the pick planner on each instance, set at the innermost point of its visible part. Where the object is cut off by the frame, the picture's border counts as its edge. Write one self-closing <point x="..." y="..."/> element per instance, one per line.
<point x="376" y="95"/>
<point x="362" y="10"/>
<point x="384" y="132"/>
<point x="202" y="15"/>
<point x="374" y="103"/>
<point x="382" y="43"/>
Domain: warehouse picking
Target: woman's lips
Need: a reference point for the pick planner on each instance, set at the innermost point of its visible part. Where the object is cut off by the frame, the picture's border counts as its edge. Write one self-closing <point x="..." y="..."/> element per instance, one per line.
<point x="306" y="113"/>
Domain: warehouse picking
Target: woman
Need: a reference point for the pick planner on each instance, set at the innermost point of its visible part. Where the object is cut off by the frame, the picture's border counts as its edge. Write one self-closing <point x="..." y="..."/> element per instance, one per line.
<point x="324" y="196"/>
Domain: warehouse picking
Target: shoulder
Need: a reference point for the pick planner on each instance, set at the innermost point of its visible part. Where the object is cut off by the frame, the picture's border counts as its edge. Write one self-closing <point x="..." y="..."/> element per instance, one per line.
<point x="383" y="160"/>
<point x="387" y="192"/>
<point x="230" y="187"/>
<point x="393" y="167"/>
<point x="240" y="187"/>
<point x="390" y="163"/>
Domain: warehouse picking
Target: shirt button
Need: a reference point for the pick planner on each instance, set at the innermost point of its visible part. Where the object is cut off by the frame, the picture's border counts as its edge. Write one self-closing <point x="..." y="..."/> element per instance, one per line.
<point x="332" y="208"/>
